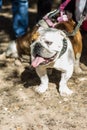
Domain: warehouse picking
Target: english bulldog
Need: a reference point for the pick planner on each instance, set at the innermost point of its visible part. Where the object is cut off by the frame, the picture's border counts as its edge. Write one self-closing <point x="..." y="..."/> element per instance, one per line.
<point x="50" y="48"/>
<point x="54" y="49"/>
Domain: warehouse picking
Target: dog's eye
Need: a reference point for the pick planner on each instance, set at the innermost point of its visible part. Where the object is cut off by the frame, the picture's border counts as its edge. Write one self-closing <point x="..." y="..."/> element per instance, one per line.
<point x="48" y="42"/>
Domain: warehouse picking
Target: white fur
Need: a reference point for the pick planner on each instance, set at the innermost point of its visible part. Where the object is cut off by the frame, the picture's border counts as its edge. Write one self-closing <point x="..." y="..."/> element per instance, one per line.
<point x="12" y="50"/>
<point x="77" y="68"/>
<point x="65" y="63"/>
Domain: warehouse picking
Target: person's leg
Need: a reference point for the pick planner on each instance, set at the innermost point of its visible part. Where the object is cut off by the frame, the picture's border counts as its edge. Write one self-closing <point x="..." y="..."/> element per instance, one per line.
<point x="43" y="7"/>
<point x="0" y="4"/>
<point x="20" y="16"/>
<point x="80" y="5"/>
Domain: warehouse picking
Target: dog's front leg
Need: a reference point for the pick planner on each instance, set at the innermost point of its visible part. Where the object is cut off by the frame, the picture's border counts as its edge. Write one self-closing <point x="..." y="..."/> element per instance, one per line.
<point x="42" y="73"/>
<point x="63" y="88"/>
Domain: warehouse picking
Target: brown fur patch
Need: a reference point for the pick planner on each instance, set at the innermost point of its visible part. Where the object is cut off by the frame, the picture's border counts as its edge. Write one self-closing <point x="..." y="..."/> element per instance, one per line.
<point x="77" y="39"/>
<point x="23" y="42"/>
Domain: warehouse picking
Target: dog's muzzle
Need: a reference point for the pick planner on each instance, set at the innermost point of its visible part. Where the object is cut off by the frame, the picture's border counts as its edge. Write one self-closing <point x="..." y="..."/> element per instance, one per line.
<point x="41" y="55"/>
<point x="39" y="50"/>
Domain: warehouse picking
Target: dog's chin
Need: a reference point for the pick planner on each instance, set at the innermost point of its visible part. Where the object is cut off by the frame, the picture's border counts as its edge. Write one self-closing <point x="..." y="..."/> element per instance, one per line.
<point x="39" y="60"/>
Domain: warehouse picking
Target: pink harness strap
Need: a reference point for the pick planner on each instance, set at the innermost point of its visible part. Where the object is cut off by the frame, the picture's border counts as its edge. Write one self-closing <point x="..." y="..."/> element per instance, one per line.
<point x="62" y="17"/>
<point x="64" y="4"/>
<point x="49" y="22"/>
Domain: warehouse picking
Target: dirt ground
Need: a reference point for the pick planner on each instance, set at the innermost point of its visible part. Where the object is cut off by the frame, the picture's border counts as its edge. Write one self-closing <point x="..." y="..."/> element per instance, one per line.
<point x="23" y="109"/>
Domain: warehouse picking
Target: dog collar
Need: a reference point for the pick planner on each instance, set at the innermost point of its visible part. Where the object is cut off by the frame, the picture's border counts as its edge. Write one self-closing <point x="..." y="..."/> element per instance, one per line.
<point x="64" y="48"/>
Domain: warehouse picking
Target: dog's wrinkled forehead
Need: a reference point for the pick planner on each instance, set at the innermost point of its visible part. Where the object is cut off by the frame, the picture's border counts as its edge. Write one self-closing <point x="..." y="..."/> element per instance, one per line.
<point x="50" y="38"/>
<point x="50" y="34"/>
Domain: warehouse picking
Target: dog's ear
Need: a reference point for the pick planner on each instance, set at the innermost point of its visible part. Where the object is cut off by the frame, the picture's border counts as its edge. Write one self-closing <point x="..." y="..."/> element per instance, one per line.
<point x="69" y="14"/>
<point x="34" y="36"/>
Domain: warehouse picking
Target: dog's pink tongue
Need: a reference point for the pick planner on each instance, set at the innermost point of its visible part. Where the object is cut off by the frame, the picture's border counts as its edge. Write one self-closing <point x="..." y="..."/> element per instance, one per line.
<point x="37" y="61"/>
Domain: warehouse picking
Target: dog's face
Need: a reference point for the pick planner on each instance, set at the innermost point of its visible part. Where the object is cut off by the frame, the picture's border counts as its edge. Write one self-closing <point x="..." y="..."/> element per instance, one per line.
<point x="46" y="47"/>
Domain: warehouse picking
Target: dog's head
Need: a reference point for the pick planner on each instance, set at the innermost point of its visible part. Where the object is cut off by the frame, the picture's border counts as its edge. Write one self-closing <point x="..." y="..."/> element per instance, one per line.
<point x="46" y="48"/>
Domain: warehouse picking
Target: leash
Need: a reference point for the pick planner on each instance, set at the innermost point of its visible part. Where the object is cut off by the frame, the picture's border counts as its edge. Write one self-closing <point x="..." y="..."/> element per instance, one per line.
<point x="61" y="8"/>
<point x="82" y="18"/>
<point x="76" y="28"/>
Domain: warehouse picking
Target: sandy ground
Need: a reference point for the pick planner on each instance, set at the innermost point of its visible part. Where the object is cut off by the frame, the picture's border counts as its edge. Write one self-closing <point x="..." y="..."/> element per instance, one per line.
<point x="23" y="109"/>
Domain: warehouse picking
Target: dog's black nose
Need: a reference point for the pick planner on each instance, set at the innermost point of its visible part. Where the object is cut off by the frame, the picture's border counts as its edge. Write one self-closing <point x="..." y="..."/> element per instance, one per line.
<point x="37" y="48"/>
<point x="38" y="45"/>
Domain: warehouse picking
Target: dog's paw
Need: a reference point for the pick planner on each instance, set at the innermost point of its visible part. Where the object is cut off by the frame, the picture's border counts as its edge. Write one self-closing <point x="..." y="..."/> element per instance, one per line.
<point x="78" y="70"/>
<point x="3" y="56"/>
<point x="65" y="91"/>
<point x="83" y="67"/>
<point x="41" y="89"/>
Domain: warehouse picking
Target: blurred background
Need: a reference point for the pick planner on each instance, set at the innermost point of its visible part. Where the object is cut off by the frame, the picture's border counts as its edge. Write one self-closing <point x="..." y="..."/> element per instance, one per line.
<point x="6" y="31"/>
